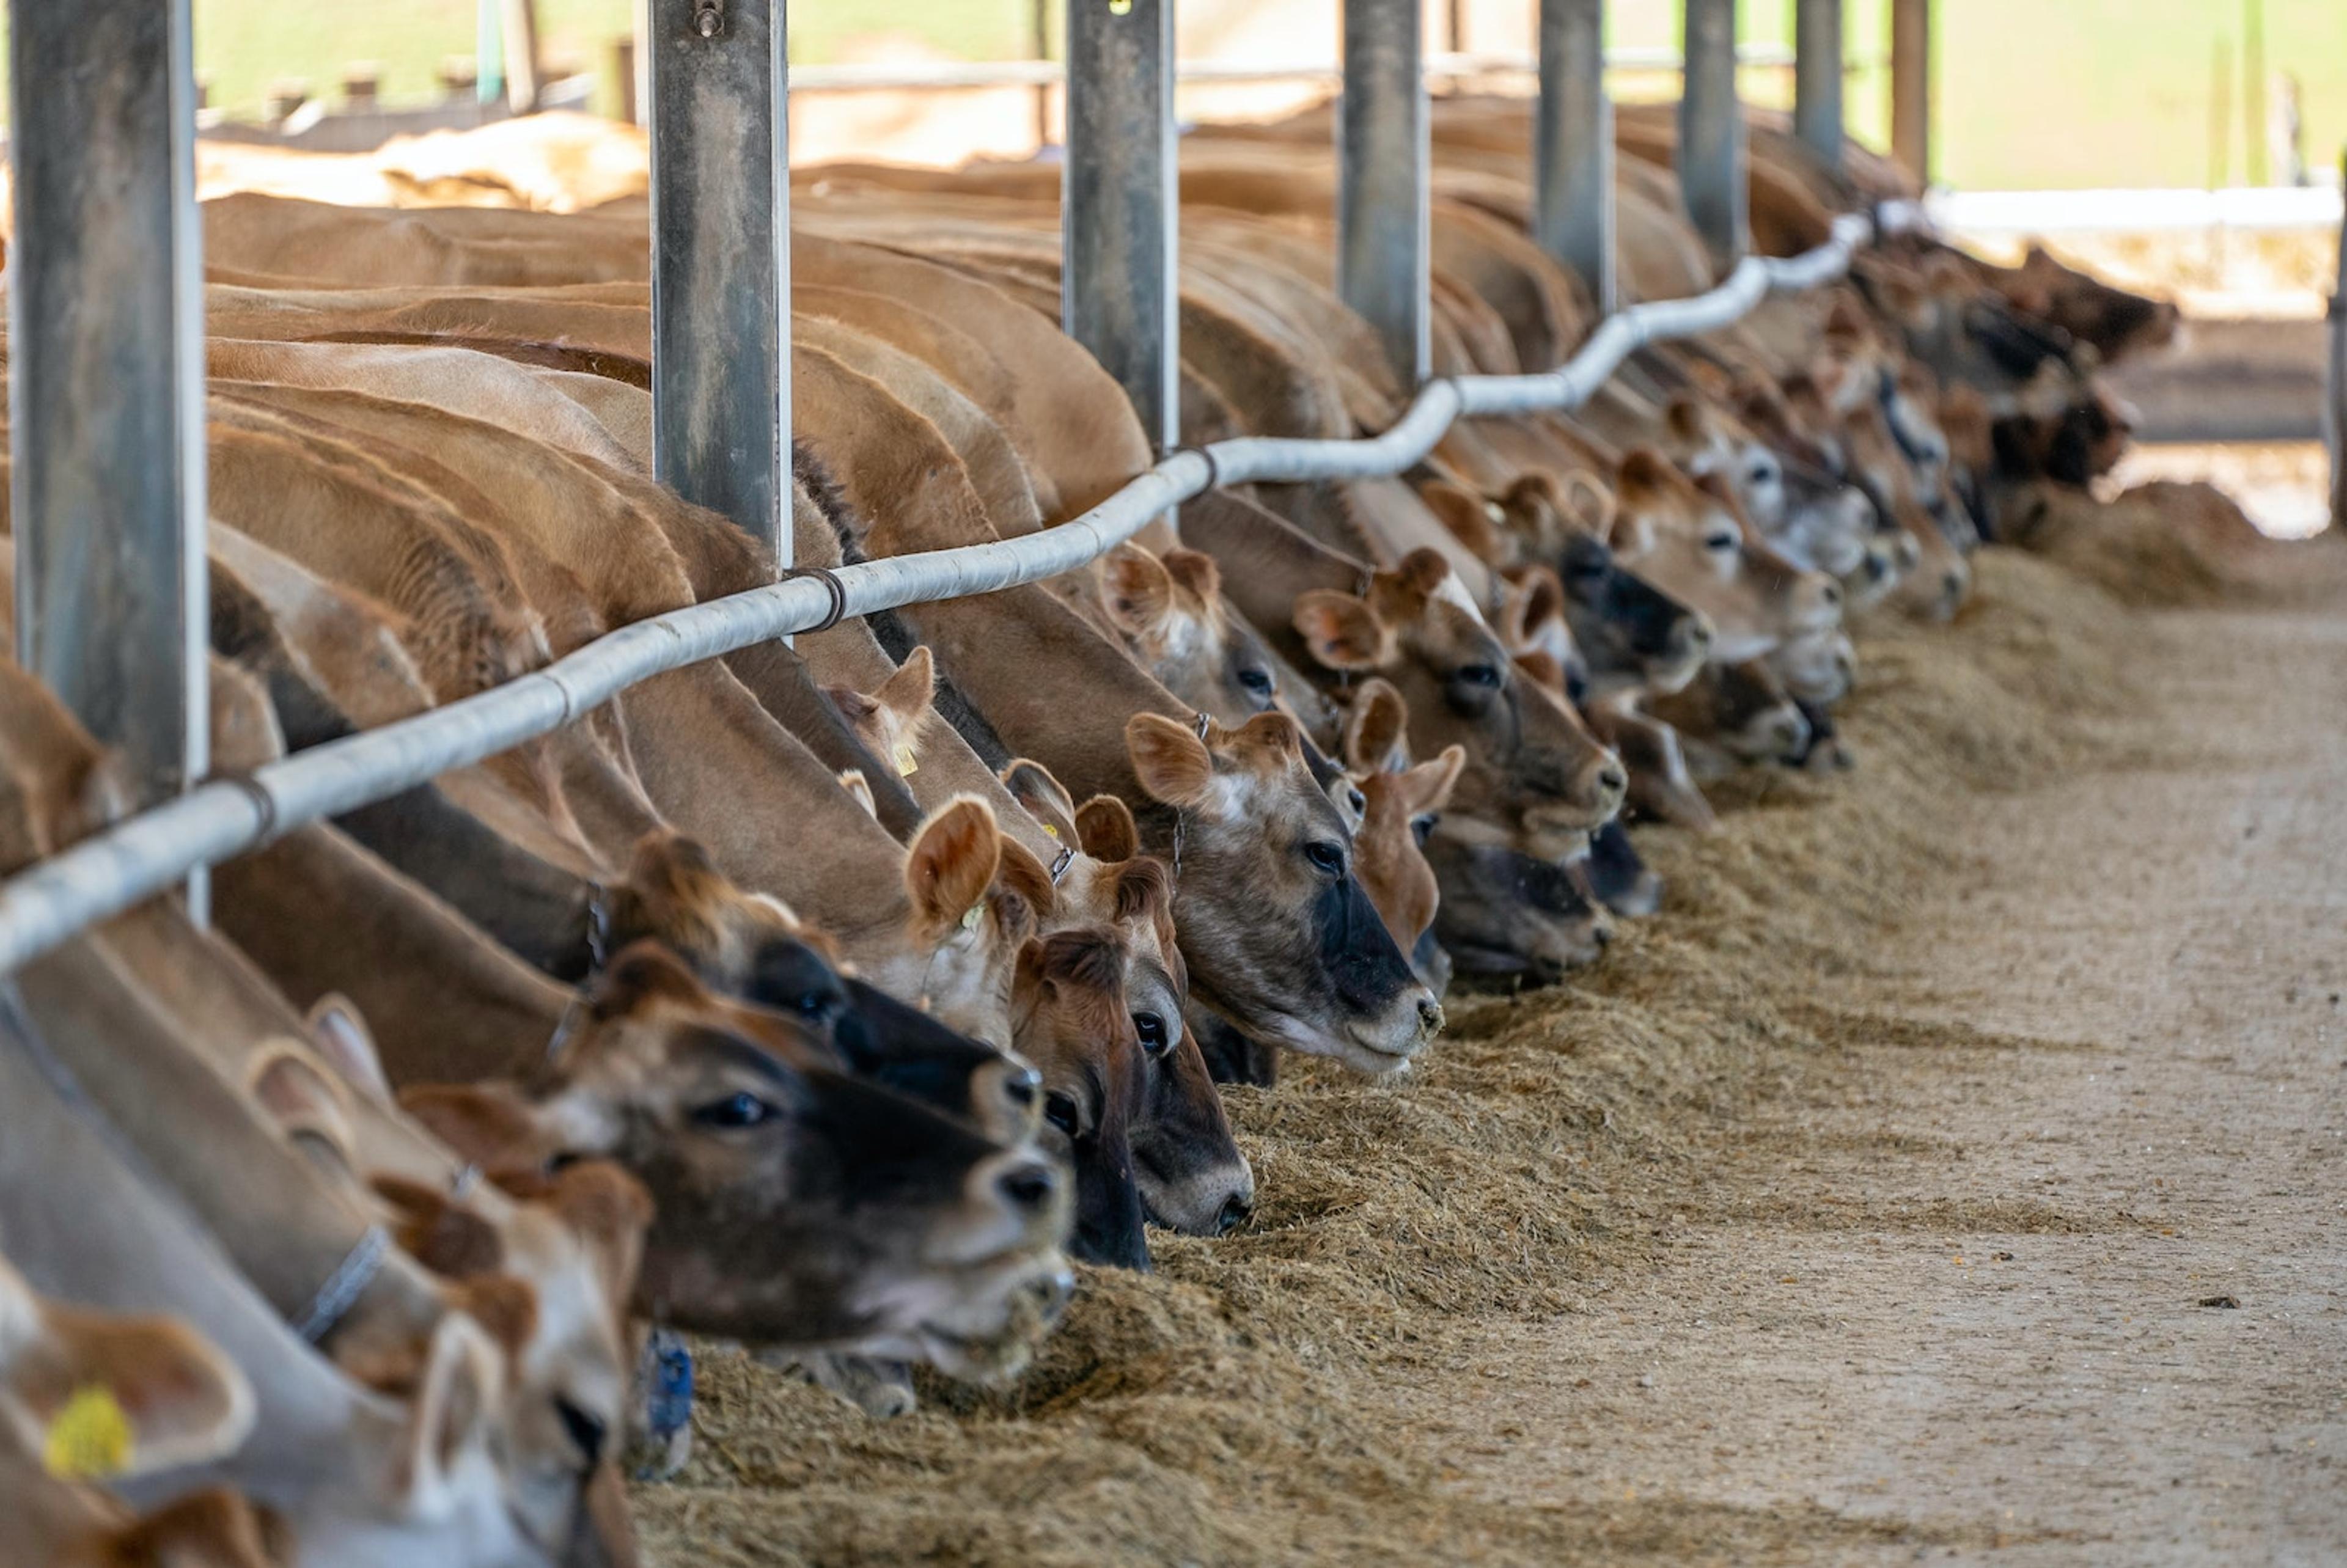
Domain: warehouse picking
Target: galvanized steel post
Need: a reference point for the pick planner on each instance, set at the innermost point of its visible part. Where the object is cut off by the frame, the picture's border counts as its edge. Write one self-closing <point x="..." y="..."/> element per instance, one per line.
<point x="1384" y="270"/>
<point x="1711" y="131"/>
<point x="1572" y="145"/>
<point x="1817" y="77"/>
<point x="1118" y="294"/>
<point x="106" y="378"/>
<point x="2338" y="378"/>
<point x="1911" y="87"/>
<point x="720" y="260"/>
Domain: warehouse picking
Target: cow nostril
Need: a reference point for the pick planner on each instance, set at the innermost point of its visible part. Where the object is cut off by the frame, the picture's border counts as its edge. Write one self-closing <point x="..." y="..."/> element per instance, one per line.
<point x="1235" y="1209"/>
<point x="1612" y="779"/>
<point x="1830" y="591"/>
<point x="1027" y="1186"/>
<point x="1602" y="935"/>
<point x="1429" y="1015"/>
<point x="1021" y="1086"/>
<point x="1699" y="633"/>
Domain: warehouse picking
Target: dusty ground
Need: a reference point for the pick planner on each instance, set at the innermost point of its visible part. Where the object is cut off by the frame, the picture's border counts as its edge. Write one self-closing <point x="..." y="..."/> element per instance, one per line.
<point x="2069" y="1285"/>
<point x="1860" y="1207"/>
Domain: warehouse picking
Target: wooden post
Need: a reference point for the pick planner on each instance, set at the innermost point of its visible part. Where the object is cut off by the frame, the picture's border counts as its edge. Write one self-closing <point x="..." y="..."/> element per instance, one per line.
<point x="720" y="260"/>
<point x="1118" y="291"/>
<point x="1911" y="87"/>
<point x="105" y="378"/>
<point x="1384" y="255"/>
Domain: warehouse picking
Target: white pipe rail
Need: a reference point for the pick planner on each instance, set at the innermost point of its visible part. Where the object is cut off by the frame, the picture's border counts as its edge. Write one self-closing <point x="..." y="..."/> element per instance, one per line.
<point x="142" y="855"/>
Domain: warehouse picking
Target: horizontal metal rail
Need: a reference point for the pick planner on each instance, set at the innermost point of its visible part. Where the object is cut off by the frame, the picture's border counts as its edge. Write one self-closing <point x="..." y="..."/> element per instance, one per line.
<point x="909" y="75"/>
<point x="145" y="854"/>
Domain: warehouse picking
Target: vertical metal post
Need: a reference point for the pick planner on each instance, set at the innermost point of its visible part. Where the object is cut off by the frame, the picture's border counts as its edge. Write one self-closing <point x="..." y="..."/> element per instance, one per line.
<point x="1038" y="46"/>
<point x="524" y="79"/>
<point x="106" y="378"/>
<point x="1817" y="77"/>
<point x="1911" y="87"/>
<point x="1572" y="145"/>
<point x="490" y="50"/>
<point x="1711" y="131"/>
<point x="1384" y="268"/>
<point x="720" y="260"/>
<point x="2338" y="380"/>
<point x="1118" y="292"/>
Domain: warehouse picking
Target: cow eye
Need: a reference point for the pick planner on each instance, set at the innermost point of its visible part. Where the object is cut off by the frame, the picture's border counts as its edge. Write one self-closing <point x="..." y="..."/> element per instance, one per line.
<point x="1151" y="1030"/>
<point x="1479" y="674"/>
<point x="1761" y="472"/>
<point x="816" y="1007"/>
<point x="1719" y="543"/>
<point x="1356" y="800"/>
<point x="740" y="1109"/>
<point x="1422" y="827"/>
<point x="1257" y="682"/>
<point x="1060" y="1111"/>
<point x="1327" y="858"/>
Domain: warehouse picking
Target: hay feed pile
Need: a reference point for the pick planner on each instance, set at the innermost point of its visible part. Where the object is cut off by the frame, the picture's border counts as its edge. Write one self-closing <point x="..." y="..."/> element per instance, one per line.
<point x="1235" y="1407"/>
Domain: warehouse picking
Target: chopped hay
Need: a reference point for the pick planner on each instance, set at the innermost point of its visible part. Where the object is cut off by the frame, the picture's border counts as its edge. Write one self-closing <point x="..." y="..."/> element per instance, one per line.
<point x="1227" y="1409"/>
<point x="2164" y="543"/>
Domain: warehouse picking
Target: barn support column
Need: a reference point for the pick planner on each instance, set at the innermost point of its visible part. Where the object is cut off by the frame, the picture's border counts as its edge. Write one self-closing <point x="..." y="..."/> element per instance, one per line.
<point x="1911" y="87"/>
<point x="720" y="260"/>
<point x="105" y="378"/>
<point x="1818" y="78"/>
<point x="1118" y="294"/>
<point x="1383" y="252"/>
<point x="1572" y="145"/>
<point x="1711" y="131"/>
<point x="2336" y="389"/>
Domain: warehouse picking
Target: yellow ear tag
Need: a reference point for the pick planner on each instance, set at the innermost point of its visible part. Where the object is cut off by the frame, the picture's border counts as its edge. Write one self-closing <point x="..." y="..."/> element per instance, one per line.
<point x="976" y="913"/>
<point x="90" y="1439"/>
<point x="906" y="767"/>
<point x="1049" y="829"/>
<point x="1120" y="7"/>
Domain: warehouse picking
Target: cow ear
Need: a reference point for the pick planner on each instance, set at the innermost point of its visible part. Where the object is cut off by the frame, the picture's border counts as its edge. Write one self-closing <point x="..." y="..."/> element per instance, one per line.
<point x="1021" y="873"/>
<point x="305" y="1099"/>
<point x="1543" y="600"/>
<point x="853" y="781"/>
<point x="451" y="1415"/>
<point x="1045" y="798"/>
<point x="1426" y="787"/>
<point x="117" y="1397"/>
<point x="1685" y="421"/>
<point x="951" y="864"/>
<point x="445" y="1238"/>
<point x="1540" y="667"/>
<point x="490" y="1126"/>
<point x="1273" y="735"/>
<point x="608" y="1210"/>
<point x="1136" y="589"/>
<point x="644" y="973"/>
<point x="1171" y="761"/>
<point x="1105" y="829"/>
<point x="506" y="1308"/>
<point x="1195" y="571"/>
<point x="346" y="1043"/>
<point x="854" y="706"/>
<point x="1461" y="512"/>
<point x="1375" y="730"/>
<point x="909" y="692"/>
<point x="1145" y="890"/>
<point x="1340" y="631"/>
<point x="1645" y="471"/>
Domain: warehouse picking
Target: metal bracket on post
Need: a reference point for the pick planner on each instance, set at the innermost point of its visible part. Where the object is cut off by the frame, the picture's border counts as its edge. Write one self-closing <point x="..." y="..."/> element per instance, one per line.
<point x="105" y="379"/>
<point x="1384" y="266"/>
<point x="1572" y="145"/>
<point x="1817" y="79"/>
<point x="1119" y="294"/>
<point x="1711" y="131"/>
<point x="720" y="260"/>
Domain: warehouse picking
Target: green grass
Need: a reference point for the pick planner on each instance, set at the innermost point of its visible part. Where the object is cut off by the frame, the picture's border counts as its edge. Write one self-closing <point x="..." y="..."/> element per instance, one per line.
<point x="2044" y="93"/>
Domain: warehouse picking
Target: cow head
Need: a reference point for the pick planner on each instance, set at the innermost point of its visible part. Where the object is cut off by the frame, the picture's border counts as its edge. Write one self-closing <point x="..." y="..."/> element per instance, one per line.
<point x="796" y="1203"/>
<point x="1815" y="520"/>
<point x="752" y="947"/>
<point x="1690" y="537"/>
<point x="1507" y="917"/>
<point x="1171" y="614"/>
<point x="1278" y="935"/>
<point x="1532" y="771"/>
<point x="1073" y="1022"/>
